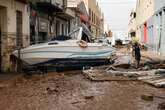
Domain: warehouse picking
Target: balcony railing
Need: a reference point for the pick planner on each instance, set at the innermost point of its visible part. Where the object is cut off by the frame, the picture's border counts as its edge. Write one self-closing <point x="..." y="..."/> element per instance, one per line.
<point x="73" y="3"/>
<point x="50" y="6"/>
<point x="22" y="1"/>
<point x="58" y="3"/>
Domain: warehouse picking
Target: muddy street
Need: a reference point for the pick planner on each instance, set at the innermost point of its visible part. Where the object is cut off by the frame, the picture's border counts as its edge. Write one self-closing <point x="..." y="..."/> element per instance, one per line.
<point x="72" y="91"/>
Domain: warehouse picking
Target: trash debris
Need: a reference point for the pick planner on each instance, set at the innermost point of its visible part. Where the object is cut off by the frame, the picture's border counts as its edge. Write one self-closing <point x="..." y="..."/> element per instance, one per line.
<point x="2" y="86"/>
<point x="51" y="90"/>
<point x="161" y="106"/>
<point x="147" y="67"/>
<point x="149" y="97"/>
<point x="103" y="75"/>
<point x="76" y="102"/>
<point x="89" y="97"/>
<point x="110" y="68"/>
<point x="124" y="66"/>
<point x="155" y="77"/>
<point x="160" y="66"/>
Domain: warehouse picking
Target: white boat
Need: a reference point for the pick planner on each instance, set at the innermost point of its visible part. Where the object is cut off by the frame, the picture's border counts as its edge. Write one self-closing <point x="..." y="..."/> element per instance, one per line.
<point x="74" y="47"/>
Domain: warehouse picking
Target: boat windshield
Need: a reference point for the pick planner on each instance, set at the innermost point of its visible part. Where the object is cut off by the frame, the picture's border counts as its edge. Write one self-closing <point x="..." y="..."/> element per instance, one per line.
<point x="61" y="38"/>
<point x="80" y="34"/>
<point x="74" y="34"/>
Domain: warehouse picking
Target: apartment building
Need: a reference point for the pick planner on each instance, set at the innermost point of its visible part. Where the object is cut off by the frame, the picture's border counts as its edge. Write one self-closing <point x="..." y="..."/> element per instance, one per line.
<point x="81" y="9"/>
<point x="90" y="14"/>
<point x="49" y="18"/>
<point x="144" y="10"/>
<point x="132" y="24"/>
<point x="96" y="18"/>
<point x="14" y="31"/>
<point x="150" y="24"/>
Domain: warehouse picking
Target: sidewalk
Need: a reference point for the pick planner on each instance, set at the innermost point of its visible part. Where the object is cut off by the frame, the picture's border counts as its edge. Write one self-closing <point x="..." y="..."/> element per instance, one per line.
<point x="7" y="77"/>
<point x="153" y="56"/>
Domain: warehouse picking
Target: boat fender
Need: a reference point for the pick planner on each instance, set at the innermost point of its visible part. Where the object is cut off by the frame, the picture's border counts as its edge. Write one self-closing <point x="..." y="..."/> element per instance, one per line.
<point x="83" y="44"/>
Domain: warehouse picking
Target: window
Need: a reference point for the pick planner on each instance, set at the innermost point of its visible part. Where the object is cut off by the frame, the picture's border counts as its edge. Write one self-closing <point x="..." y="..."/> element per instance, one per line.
<point x="90" y="14"/>
<point x="134" y="15"/>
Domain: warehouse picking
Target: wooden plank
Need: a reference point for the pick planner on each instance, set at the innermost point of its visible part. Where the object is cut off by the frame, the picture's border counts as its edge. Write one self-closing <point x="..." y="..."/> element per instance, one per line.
<point x="160" y="84"/>
<point x="157" y="81"/>
<point x="150" y="78"/>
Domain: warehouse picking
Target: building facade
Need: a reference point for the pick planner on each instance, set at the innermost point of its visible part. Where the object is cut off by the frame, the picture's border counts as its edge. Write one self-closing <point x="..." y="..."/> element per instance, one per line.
<point x="132" y="24"/>
<point x="150" y="24"/>
<point x="49" y="18"/>
<point x="89" y="13"/>
<point x="81" y="12"/>
<point x="143" y="16"/>
<point x="14" y="30"/>
<point x="96" y="18"/>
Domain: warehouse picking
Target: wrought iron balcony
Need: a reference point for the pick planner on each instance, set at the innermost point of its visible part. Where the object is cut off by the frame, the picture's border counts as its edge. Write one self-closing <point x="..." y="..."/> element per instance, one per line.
<point x="51" y="6"/>
<point x="22" y="1"/>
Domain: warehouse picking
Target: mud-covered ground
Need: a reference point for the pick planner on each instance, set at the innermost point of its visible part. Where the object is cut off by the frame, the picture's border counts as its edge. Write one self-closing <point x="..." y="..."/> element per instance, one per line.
<point x="71" y="91"/>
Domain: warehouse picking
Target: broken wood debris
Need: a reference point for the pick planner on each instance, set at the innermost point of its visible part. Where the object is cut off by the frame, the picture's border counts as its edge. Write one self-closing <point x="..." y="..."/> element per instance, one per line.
<point x="89" y="97"/>
<point x="147" y="97"/>
<point x="150" y="97"/>
<point x="51" y="90"/>
<point x="161" y="106"/>
<point x="98" y="75"/>
<point x="154" y="77"/>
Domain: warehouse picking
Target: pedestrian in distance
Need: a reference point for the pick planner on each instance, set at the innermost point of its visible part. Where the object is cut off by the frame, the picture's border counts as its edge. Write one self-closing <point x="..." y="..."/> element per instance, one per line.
<point x="137" y="54"/>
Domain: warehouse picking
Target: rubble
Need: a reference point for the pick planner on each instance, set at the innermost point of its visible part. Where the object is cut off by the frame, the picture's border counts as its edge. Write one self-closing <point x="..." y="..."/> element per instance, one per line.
<point x="102" y="75"/>
<point x="161" y="106"/>
<point x="147" y="97"/>
<point x="89" y="97"/>
<point x="71" y="91"/>
<point x="76" y="102"/>
<point x="155" y="77"/>
<point x="2" y="86"/>
<point x="51" y="90"/>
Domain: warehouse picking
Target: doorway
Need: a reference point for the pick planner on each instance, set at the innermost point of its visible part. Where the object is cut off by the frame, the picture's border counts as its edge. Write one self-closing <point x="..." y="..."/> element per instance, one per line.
<point x="3" y="30"/>
<point x="0" y="48"/>
<point x="19" y="39"/>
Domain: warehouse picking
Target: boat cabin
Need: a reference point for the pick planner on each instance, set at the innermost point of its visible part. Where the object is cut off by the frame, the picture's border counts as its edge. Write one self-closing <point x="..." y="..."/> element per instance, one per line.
<point x="79" y="33"/>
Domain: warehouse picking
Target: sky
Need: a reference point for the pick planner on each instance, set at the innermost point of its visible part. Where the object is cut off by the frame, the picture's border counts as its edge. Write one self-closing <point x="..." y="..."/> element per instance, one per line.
<point x="116" y="13"/>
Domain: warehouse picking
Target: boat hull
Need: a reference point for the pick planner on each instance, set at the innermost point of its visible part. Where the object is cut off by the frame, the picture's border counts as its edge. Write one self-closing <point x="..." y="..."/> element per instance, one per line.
<point x="52" y="54"/>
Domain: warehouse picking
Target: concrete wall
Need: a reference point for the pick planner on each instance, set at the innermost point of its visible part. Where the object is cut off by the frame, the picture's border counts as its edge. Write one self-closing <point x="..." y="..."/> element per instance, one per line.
<point x="9" y="38"/>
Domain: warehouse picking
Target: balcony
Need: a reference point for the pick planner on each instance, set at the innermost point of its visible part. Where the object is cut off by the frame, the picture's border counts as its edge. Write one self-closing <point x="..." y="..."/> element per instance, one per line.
<point x="50" y="6"/>
<point x="22" y="1"/>
<point x="73" y="3"/>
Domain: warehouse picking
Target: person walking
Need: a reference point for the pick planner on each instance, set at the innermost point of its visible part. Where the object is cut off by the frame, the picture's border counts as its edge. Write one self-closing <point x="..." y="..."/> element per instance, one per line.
<point x="137" y="54"/>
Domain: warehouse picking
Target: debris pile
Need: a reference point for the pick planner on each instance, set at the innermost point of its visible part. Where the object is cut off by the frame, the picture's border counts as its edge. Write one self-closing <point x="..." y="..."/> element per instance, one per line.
<point x="155" y="77"/>
<point x="161" y="106"/>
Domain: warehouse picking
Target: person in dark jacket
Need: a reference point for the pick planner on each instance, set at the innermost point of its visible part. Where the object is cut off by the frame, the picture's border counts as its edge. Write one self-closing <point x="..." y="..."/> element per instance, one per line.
<point x="137" y="54"/>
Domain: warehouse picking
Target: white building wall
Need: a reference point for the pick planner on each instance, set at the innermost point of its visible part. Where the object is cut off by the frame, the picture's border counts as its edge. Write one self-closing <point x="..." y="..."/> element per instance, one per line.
<point x="9" y="38"/>
<point x="12" y="7"/>
<point x="159" y="4"/>
<point x="144" y="10"/>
